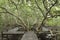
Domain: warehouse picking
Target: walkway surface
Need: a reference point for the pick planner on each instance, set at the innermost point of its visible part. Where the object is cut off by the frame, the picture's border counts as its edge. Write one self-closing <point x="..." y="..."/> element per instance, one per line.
<point x="29" y="36"/>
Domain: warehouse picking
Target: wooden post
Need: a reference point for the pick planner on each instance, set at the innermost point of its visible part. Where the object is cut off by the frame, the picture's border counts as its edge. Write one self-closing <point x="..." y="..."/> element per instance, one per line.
<point x="1" y="35"/>
<point x="7" y="37"/>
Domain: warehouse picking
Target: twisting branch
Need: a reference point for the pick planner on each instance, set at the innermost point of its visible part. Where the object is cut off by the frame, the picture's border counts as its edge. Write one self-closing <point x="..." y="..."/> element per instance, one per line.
<point x="16" y="5"/>
<point x="39" y="8"/>
<point x="13" y="3"/>
<point x="46" y="7"/>
<point x="44" y="4"/>
<point x="19" y="18"/>
<point x="47" y="14"/>
<point x="49" y="10"/>
<point x="52" y="6"/>
<point x="55" y="16"/>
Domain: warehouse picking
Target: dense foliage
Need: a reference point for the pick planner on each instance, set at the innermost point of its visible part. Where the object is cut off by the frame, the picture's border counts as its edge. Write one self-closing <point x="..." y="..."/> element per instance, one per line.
<point x="29" y="12"/>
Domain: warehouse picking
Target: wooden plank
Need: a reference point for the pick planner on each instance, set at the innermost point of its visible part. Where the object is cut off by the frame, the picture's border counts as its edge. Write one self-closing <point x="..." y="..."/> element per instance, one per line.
<point x="12" y="33"/>
<point x="14" y="29"/>
<point x="29" y="36"/>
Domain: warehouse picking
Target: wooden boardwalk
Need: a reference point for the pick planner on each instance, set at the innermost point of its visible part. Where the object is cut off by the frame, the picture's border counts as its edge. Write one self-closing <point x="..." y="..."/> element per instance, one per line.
<point x="29" y="36"/>
<point x="12" y="34"/>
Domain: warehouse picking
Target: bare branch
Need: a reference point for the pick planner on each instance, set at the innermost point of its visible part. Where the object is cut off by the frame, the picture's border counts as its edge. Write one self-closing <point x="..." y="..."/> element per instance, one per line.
<point x="19" y="18"/>
<point x="2" y="12"/>
<point x="44" y="5"/>
<point x="42" y="24"/>
<point x="13" y="3"/>
<point x="55" y="16"/>
<point x="39" y="8"/>
<point x="50" y="7"/>
<point x="16" y="5"/>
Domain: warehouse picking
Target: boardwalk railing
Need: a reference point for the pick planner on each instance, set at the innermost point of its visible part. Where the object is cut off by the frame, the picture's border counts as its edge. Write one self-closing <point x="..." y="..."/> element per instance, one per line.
<point x="14" y="32"/>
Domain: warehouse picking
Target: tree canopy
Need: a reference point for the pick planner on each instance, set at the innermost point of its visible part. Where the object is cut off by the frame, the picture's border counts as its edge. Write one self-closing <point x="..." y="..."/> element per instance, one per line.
<point x="30" y="13"/>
